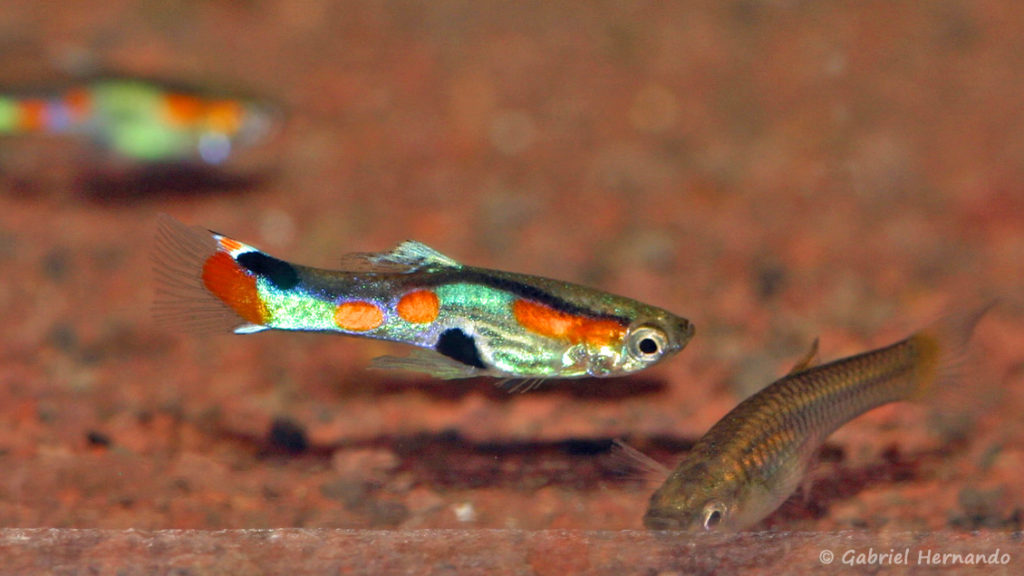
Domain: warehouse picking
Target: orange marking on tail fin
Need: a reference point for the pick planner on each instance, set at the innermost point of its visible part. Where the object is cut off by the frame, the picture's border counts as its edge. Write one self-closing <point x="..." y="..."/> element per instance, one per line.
<point x="358" y="316"/>
<point x="419" y="307"/>
<point x="225" y="279"/>
<point x="182" y="299"/>
<point x="229" y="244"/>
<point x="547" y="321"/>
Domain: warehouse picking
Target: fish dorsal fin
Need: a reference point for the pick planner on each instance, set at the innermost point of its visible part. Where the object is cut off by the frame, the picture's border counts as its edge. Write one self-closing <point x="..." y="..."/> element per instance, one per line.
<point x="409" y="256"/>
<point x="808" y="360"/>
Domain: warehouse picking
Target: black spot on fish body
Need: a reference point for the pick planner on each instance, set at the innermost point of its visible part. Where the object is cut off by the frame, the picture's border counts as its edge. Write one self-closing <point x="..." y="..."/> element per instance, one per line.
<point x="280" y="273"/>
<point x="457" y="345"/>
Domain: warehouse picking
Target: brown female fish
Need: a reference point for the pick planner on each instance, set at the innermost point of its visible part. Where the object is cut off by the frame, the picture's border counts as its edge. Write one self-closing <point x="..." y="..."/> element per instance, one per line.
<point x="750" y="462"/>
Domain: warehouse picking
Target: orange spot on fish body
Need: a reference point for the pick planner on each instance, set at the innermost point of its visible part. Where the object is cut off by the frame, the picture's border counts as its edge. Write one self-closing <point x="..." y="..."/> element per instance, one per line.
<point x="419" y="307"/>
<point x="358" y="316"/>
<point x="32" y="116"/>
<point x="229" y="282"/>
<point x="224" y="116"/>
<point x="182" y="109"/>
<point x="229" y="244"/>
<point x="78" y="102"/>
<point x="547" y="321"/>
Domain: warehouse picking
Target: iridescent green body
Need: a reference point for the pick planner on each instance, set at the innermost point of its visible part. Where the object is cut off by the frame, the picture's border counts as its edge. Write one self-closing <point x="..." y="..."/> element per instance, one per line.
<point x="9" y="114"/>
<point x="757" y="455"/>
<point x="479" y="303"/>
<point x="467" y="321"/>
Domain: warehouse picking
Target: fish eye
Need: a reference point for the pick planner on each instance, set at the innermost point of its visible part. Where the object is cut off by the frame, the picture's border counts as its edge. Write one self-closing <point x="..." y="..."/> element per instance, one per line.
<point x="647" y="343"/>
<point x="647" y="346"/>
<point x="714" y="513"/>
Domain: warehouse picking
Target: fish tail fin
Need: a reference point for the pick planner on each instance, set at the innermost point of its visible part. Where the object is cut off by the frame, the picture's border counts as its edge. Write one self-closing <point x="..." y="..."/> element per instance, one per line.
<point x="199" y="283"/>
<point x="33" y="114"/>
<point x="943" y="351"/>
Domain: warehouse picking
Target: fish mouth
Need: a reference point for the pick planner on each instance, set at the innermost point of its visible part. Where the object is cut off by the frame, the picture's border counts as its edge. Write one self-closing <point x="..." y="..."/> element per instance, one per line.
<point x="688" y="333"/>
<point x="654" y="520"/>
<point x="683" y="332"/>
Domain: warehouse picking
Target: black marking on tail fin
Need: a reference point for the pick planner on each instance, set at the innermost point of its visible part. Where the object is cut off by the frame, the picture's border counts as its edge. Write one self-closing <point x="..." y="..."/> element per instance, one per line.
<point x="280" y="273"/>
<point x="457" y="345"/>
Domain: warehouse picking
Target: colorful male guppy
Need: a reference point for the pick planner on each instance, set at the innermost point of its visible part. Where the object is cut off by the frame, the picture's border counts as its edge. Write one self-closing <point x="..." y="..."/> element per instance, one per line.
<point x="750" y="462"/>
<point x="468" y="321"/>
<point x="143" y="121"/>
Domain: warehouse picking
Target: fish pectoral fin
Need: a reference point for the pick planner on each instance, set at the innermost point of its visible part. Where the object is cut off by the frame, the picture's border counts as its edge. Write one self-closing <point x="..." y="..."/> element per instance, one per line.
<point x="409" y="256"/>
<point x="633" y="463"/>
<point x="812" y="471"/>
<point x="808" y="360"/>
<point x="428" y="362"/>
<point x="249" y="329"/>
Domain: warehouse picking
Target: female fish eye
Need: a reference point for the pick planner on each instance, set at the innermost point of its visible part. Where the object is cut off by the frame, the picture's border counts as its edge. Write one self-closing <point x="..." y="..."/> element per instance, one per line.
<point x="647" y="343"/>
<point x="714" y="513"/>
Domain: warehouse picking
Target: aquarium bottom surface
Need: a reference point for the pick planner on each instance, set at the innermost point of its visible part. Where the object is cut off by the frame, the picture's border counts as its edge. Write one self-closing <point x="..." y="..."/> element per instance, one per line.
<point x="556" y="552"/>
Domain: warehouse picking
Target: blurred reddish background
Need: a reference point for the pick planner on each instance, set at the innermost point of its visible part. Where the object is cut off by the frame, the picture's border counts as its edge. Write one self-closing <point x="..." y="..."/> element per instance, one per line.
<point x="774" y="171"/>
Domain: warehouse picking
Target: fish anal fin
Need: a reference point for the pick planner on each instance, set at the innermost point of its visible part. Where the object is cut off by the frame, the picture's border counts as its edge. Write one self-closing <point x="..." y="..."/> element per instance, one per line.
<point x="811" y="471"/>
<point x="520" y="385"/>
<point x="428" y="362"/>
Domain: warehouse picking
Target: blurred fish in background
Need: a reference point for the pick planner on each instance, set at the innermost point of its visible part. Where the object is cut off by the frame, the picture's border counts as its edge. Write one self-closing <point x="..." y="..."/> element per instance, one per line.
<point x="142" y="134"/>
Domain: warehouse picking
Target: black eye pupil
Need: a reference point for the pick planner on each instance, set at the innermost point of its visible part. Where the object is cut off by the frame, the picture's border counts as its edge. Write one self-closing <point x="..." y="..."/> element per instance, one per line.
<point x="714" y="517"/>
<point x="648" y="346"/>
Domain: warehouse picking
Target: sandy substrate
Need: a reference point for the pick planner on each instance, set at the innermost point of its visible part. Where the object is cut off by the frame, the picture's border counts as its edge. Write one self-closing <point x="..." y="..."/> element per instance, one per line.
<point x="541" y="552"/>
